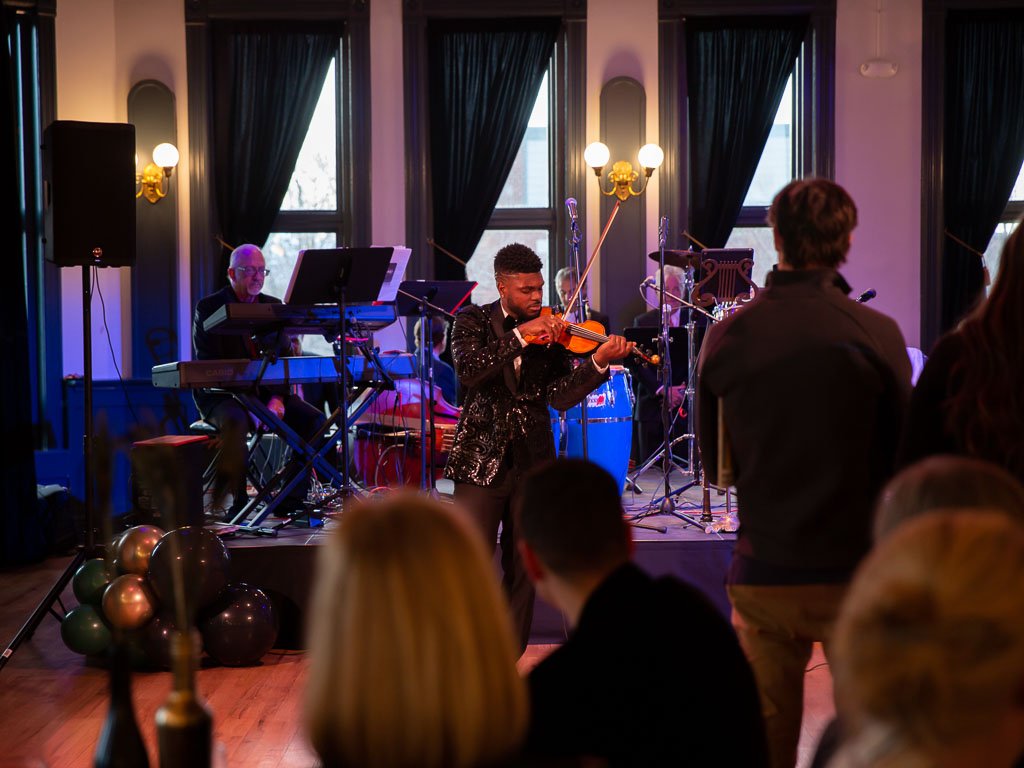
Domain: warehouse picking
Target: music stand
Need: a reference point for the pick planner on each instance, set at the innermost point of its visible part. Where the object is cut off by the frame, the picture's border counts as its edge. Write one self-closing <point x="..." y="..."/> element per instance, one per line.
<point x="341" y="276"/>
<point x="727" y="277"/>
<point x="428" y="299"/>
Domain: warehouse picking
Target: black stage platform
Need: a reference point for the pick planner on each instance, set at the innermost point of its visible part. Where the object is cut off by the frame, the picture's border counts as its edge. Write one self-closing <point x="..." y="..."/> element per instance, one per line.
<point x="284" y="566"/>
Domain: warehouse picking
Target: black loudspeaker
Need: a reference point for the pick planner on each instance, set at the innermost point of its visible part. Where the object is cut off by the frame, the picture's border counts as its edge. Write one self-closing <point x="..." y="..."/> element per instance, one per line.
<point x="89" y="170"/>
<point x="167" y="479"/>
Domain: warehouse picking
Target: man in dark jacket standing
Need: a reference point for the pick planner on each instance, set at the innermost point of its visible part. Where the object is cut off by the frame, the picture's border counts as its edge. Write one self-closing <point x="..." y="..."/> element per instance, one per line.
<point x="509" y="382"/>
<point x="809" y="388"/>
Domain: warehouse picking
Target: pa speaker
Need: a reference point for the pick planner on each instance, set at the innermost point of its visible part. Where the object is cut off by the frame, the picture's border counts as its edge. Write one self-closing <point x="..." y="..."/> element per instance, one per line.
<point x="89" y="170"/>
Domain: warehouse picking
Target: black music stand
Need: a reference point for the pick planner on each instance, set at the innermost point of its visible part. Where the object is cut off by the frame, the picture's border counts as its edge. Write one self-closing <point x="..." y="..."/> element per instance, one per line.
<point x="328" y="276"/>
<point x="340" y="276"/>
<point x="428" y="299"/>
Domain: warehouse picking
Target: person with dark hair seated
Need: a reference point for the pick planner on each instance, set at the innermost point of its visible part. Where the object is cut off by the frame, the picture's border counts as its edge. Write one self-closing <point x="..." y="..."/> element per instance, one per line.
<point x="505" y="426"/>
<point x="968" y="400"/>
<point x="601" y="694"/>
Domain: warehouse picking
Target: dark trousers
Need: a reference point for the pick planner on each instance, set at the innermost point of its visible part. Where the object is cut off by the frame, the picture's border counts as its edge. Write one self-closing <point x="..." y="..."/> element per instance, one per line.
<point x="234" y="422"/>
<point x="490" y="506"/>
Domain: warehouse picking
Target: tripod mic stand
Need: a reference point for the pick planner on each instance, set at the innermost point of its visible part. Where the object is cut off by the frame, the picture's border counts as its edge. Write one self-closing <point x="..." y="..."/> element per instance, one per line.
<point x="666" y="504"/>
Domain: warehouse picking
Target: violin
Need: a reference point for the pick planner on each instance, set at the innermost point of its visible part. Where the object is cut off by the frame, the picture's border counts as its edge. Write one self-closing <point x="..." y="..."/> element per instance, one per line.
<point x="583" y="338"/>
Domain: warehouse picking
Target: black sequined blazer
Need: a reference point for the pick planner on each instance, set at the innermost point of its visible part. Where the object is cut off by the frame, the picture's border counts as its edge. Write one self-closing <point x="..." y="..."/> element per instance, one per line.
<point x="499" y="413"/>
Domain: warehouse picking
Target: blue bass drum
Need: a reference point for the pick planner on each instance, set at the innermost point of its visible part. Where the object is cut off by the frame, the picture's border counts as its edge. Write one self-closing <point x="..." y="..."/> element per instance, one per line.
<point x="609" y="426"/>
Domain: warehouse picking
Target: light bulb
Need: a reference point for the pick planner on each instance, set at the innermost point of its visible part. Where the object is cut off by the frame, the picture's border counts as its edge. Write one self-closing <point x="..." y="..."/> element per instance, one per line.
<point x="650" y="156"/>
<point x="596" y="155"/>
<point x="165" y="155"/>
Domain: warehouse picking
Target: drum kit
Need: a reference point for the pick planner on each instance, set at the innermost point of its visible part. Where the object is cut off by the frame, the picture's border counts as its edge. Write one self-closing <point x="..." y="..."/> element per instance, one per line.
<point x="601" y="427"/>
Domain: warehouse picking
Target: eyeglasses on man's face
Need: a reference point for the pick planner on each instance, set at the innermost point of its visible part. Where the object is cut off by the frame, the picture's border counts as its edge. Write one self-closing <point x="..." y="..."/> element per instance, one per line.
<point x="246" y="271"/>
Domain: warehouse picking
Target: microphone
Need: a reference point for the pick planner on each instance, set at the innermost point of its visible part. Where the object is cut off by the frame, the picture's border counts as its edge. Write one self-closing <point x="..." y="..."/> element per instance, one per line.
<point x="650" y="282"/>
<point x="571" y="205"/>
<point x="868" y="295"/>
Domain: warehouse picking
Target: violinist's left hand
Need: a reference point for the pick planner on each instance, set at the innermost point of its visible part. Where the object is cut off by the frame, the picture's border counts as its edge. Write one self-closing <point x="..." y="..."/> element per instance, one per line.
<point x="614" y="349"/>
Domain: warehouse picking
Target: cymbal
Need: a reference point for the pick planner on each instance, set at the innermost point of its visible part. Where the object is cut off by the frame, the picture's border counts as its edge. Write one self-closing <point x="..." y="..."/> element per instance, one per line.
<point x="681" y="259"/>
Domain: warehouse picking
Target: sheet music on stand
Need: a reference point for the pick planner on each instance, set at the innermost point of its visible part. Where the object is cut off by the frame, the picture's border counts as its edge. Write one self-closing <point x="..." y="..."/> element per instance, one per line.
<point x="368" y="275"/>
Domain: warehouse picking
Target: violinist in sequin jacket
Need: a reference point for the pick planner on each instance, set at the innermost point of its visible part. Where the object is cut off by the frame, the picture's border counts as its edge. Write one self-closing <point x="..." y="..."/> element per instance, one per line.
<point x="505" y="426"/>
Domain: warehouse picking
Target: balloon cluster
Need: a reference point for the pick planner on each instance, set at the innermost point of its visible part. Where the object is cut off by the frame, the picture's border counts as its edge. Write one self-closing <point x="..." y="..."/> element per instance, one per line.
<point x="137" y="594"/>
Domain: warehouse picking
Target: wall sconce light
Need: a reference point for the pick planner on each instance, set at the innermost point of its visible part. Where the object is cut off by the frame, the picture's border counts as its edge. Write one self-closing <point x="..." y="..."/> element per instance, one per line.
<point x="153" y="182"/>
<point x="622" y="175"/>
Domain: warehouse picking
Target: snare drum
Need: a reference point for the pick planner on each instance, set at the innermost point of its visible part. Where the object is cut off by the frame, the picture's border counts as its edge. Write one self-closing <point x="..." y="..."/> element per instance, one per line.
<point x="609" y="426"/>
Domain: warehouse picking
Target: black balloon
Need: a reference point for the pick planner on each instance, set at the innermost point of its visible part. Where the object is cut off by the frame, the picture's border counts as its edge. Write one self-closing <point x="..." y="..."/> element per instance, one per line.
<point x="241" y="628"/>
<point x="155" y="639"/>
<point x="204" y="564"/>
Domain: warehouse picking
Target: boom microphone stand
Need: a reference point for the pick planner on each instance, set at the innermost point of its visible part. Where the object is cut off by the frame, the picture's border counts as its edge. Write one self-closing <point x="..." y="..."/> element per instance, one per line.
<point x="577" y="238"/>
<point x="668" y="505"/>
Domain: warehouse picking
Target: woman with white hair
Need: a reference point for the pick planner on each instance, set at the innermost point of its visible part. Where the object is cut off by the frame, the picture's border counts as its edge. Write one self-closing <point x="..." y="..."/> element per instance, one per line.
<point x="929" y="646"/>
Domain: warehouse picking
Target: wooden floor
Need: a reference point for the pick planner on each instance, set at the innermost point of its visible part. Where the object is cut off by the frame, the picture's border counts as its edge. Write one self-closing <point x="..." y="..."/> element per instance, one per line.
<point x="52" y="704"/>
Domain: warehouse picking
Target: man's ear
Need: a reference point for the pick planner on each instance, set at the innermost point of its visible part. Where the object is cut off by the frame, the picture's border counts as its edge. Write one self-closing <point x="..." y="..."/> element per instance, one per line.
<point x="534" y="567"/>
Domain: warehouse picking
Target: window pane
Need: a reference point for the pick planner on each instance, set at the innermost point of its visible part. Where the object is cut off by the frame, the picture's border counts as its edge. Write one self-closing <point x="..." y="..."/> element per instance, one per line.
<point x="528" y="182"/>
<point x="1018" y="187"/>
<point x="763" y="243"/>
<point x="775" y="168"/>
<point x="314" y="184"/>
<point x="281" y="250"/>
<point x="481" y="265"/>
<point x="995" y="246"/>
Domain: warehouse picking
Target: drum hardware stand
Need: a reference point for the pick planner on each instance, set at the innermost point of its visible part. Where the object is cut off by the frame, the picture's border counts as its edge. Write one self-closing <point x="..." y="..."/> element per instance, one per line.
<point x="427" y="312"/>
<point x="722" y="307"/>
<point x="667" y="503"/>
<point x="429" y="299"/>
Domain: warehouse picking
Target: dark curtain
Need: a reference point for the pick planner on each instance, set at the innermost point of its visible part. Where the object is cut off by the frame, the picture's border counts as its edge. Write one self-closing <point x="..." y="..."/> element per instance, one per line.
<point x="267" y="80"/>
<point x="484" y="79"/>
<point x="984" y="143"/>
<point x="736" y="71"/>
<point x="21" y="536"/>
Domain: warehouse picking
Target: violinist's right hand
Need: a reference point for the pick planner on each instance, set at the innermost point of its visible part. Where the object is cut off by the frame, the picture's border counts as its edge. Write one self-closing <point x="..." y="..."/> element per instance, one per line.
<point x="543" y="330"/>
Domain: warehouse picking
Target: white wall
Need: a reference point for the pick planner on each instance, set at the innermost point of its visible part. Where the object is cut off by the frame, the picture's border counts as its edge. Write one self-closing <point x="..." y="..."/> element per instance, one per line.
<point x="622" y="41"/>
<point x="878" y="155"/>
<point x="104" y="46"/>
<point x="387" y="140"/>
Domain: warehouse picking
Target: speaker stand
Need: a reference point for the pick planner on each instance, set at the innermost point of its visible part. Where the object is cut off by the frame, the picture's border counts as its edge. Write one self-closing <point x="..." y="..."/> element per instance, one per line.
<point x="89" y="548"/>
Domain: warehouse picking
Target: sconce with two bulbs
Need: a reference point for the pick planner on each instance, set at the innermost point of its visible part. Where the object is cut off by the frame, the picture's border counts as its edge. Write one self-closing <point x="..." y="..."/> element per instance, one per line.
<point x="622" y="176"/>
<point x="153" y="182"/>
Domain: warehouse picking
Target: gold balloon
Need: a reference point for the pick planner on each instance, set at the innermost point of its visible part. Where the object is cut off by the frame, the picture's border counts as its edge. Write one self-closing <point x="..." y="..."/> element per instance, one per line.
<point x="134" y="548"/>
<point x="127" y="602"/>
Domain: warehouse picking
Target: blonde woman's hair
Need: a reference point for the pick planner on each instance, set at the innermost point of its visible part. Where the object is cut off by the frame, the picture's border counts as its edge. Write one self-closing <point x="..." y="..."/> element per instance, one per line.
<point x="929" y="644"/>
<point x="412" y="661"/>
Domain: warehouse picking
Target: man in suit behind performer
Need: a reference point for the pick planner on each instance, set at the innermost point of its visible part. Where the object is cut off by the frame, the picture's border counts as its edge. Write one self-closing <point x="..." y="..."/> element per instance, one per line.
<point x="565" y="282"/>
<point x="246" y="273"/>
<point x="647" y="379"/>
<point x="505" y="426"/>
